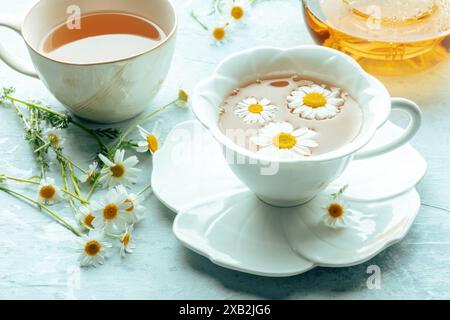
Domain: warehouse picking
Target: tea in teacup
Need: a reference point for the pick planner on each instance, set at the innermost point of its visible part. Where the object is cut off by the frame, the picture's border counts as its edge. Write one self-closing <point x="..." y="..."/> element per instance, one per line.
<point x="100" y="37"/>
<point x="290" y="117"/>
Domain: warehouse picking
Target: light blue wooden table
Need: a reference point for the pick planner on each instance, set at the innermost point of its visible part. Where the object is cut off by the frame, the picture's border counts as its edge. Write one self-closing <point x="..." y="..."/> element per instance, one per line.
<point x="38" y="259"/>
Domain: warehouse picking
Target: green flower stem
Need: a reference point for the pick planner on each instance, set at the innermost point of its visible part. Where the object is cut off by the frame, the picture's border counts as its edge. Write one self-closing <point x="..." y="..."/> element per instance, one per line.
<point x="43" y="207"/>
<point x="73" y="178"/>
<point x="21" y="180"/>
<point x="69" y="161"/>
<point x="66" y="186"/>
<point x="143" y="120"/>
<point x="93" y="187"/>
<point x="217" y="6"/>
<point x="35" y="106"/>
<point x="196" y="18"/>
<point x="42" y="147"/>
<point x="102" y="145"/>
<point x="144" y="189"/>
<point x="59" y="114"/>
<point x="70" y="194"/>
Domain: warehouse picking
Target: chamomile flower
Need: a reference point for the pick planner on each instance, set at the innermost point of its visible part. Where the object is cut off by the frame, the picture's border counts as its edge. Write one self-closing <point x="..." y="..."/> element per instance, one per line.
<point x="282" y="140"/>
<point x="337" y="213"/>
<point x="93" y="249"/>
<point x="127" y="243"/>
<point x="119" y="171"/>
<point x="238" y="10"/>
<point x="183" y="99"/>
<point x="90" y="173"/>
<point x="315" y="102"/>
<point x="85" y="217"/>
<point x="48" y="192"/>
<point x="109" y="212"/>
<point x="134" y="211"/>
<point x="150" y="140"/>
<point x="220" y="33"/>
<point x="252" y="110"/>
<point x="54" y="137"/>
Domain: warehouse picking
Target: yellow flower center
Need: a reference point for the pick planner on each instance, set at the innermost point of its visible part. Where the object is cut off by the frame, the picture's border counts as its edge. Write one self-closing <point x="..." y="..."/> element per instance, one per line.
<point x="314" y="100"/>
<point x="152" y="142"/>
<point x="255" y="108"/>
<point x="183" y="96"/>
<point x="131" y="205"/>
<point x="88" y="220"/>
<point x="126" y="239"/>
<point x="117" y="170"/>
<point x="91" y="248"/>
<point x="218" y="33"/>
<point x="284" y="141"/>
<point x="47" y="192"/>
<point x="336" y="210"/>
<point x="53" y="139"/>
<point x="110" y="212"/>
<point x="237" y="12"/>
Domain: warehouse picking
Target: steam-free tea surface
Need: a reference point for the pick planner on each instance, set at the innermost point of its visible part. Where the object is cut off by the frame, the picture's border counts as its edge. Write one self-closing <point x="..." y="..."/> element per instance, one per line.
<point x="102" y="37"/>
<point x="331" y="133"/>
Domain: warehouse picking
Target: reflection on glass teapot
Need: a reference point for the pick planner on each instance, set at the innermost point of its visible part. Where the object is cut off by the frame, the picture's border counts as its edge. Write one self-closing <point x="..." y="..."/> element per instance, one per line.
<point x="387" y="37"/>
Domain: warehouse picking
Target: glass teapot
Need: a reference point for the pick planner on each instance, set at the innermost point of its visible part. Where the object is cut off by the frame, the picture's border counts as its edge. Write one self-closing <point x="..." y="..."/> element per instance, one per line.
<point x="387" y="37"/>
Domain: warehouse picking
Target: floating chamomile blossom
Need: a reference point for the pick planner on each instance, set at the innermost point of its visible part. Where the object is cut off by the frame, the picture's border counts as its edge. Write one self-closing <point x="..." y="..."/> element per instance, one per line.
<point x="238" y="10"/>
<point x="54" y="137"/>
<point x="134" y="211"/>
<point x="119" y="171"/>
<point x="48" y="192"/>
<point x="282" y="140"/>
<point x="110" y="212"/>
<point x="93" y="249"/>
<point x="90" y="173"/>
<point x="315" y="102"/>
<point x="85" y="217"/>
<point x="150" y="140"/>
<point x="127" y="242"/>
<point x="252" y="111"/>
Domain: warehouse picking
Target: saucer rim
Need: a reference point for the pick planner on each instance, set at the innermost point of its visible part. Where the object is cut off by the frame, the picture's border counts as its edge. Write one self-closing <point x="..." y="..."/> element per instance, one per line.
<point x="399" y="236"/>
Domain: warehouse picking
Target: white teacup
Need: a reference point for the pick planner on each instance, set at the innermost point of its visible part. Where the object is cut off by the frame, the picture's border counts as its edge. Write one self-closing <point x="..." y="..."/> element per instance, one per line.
<point x="295" y="182"/>
<point x="105" y="91"/>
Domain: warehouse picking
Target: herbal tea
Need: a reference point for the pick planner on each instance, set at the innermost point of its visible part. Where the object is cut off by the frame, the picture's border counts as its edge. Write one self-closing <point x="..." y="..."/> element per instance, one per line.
<point x="387" y="37"/>
<point x="105" y="36"/>
<point x="290" y="117"/>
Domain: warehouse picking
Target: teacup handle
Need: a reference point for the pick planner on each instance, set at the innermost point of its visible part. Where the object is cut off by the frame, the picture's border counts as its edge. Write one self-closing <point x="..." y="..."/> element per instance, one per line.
<point x="7" y="57"/>
<point x="415" y="115"/>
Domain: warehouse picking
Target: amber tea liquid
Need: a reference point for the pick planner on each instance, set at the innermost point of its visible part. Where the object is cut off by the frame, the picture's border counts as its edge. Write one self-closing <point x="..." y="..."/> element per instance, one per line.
<point x="102" y="37"/>
<point x="386" y="37"/>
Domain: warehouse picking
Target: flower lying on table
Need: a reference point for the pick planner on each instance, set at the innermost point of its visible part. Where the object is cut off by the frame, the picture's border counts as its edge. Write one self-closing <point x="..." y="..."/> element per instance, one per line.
<point x="229" y="15"/>
<point x="113" y="216"/>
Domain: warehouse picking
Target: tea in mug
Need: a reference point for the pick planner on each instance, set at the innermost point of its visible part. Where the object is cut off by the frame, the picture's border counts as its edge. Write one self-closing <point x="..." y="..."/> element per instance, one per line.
<point x="102" y="37"/>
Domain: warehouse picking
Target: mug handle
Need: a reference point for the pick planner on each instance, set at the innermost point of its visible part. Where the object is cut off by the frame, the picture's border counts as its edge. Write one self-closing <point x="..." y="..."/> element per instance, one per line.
<point x="415" y="120"/>
<point x="7" y="57"/>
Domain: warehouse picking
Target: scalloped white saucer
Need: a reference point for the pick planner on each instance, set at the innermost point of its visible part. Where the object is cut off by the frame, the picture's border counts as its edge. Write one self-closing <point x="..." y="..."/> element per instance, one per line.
<point x="218" y="217"/>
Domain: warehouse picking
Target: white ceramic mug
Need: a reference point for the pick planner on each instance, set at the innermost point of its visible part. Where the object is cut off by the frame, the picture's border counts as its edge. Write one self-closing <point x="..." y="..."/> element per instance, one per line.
<point x="105" y="91"/>
<point x="298" y="181"/>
